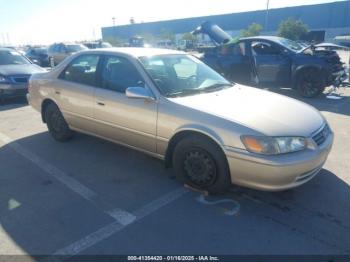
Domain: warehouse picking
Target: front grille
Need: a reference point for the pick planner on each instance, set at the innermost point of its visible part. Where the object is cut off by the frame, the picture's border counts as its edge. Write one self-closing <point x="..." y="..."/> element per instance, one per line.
<point x="19" y="79"/>
<point x="322" y="135"/>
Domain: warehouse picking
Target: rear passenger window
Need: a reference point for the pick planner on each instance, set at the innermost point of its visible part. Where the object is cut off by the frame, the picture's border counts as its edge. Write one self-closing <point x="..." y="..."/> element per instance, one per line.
<point x="82" y="70"/>
<point x="119" y="73"/>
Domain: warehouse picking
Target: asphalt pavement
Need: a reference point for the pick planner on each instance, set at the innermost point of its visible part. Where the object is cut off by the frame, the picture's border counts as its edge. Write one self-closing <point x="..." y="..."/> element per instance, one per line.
<point x="89" y="196"/>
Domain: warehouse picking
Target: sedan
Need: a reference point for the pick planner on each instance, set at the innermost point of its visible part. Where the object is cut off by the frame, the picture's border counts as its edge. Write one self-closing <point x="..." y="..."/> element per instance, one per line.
<point x="170" y="105"/>
<point x="15" y="70"/>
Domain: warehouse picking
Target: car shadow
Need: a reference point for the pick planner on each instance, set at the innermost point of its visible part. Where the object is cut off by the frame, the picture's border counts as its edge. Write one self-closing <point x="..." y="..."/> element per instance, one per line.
<point x="40" y="218"/>
<point x="12" y="103"/>
<point x="322" y="103"/>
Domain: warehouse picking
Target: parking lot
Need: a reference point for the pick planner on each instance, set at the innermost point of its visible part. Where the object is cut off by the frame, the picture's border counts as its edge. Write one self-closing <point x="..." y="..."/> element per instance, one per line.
<point x="89" y="196"/>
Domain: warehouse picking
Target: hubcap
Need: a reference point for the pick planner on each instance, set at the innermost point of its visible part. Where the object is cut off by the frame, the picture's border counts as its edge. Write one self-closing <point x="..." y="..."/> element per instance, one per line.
<point x="200" y="168"/>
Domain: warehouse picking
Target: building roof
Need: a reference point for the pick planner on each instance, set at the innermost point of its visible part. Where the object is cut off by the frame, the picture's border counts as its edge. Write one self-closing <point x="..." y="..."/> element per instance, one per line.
<point x="319" y="16"/>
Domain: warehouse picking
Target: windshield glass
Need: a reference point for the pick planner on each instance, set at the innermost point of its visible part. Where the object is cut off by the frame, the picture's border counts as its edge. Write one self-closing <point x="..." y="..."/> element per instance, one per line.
<point x="291" y="44"/>
<point x="75" y="48"/>
<point x="182" y="75"/>
<point x="12" y="57"/>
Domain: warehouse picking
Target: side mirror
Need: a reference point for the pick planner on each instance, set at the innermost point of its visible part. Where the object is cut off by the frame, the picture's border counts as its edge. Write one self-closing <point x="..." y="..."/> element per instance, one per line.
<point x="139" y="93"/>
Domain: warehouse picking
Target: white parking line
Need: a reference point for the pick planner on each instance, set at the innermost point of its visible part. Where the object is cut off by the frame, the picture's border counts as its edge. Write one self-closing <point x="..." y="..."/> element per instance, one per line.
<point x="109" y="230"/>
<point x="121" y="216"/>
<point x="68" y="181"/>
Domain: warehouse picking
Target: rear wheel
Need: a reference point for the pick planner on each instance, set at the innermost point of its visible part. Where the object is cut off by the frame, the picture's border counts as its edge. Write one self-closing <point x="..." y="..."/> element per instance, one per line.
<point x="310" y="83"/>
<point x="201" y="164"/>
<point x="56" y="124"/>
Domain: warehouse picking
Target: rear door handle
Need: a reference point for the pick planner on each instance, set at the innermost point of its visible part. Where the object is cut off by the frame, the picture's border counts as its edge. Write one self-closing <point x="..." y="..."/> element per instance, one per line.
<point x="101" y="103"/>
<point x="57" y="92"/>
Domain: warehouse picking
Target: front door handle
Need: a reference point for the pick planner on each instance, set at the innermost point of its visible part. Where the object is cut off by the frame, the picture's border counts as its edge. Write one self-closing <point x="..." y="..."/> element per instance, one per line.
<point x="101" y="103"/>
<point x="57" y="92"/>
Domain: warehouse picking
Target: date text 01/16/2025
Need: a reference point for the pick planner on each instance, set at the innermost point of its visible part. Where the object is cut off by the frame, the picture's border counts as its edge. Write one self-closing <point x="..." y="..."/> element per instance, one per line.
<point x="173" y="258"/>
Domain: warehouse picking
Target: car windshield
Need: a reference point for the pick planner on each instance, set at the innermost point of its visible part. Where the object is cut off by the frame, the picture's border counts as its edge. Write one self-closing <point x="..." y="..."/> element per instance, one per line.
<point x="75" y="48"/>
<point x="12" y="57"/>
<point x="182" y="75"/>
<point x="290" y="44"/>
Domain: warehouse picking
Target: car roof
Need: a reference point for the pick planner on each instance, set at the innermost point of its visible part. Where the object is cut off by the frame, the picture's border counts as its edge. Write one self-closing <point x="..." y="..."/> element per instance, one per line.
<point x="136" y="51"/>
<point x="271" y="38"/>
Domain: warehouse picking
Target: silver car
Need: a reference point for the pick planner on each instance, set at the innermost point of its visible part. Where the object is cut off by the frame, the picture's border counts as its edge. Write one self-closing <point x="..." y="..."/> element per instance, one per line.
<point x="170" y="105"/>
<point x="15" y="70"/>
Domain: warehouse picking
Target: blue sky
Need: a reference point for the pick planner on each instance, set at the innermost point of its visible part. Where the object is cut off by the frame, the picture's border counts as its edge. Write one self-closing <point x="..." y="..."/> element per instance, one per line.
<point x="47" y="21"/>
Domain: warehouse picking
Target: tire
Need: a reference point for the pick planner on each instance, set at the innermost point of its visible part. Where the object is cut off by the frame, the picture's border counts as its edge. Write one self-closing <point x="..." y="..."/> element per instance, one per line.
<point x="310" y="83"/>
<point x="201" y="164"/>
<point x="56" y="124"/>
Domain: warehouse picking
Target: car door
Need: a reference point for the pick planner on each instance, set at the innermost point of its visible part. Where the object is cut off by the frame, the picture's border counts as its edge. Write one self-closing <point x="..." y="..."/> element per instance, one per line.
<point x="125" y="120"/>
<point x="74" y="90"/>
<point x="235" y="63"/>
<point x="272" y="63"/>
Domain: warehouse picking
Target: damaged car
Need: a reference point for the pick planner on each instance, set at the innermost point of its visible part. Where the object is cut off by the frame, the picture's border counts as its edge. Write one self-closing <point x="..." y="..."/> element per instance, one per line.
<point x="272" y="62"/>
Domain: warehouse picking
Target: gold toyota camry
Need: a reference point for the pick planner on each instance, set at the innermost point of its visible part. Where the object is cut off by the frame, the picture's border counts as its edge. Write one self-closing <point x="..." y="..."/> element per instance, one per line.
<point x="170" y="105"/>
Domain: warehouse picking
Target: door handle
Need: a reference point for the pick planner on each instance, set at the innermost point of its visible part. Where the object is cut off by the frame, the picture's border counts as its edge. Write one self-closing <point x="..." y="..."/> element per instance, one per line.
<point x="101" y="103"/>
<point x="57" y="92"/>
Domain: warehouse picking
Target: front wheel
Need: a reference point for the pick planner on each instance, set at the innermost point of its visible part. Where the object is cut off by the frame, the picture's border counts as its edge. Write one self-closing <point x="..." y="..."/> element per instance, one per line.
<point x="56" y="124"/>
<point x="310" y="83"/>
<point x="201" y="164"/>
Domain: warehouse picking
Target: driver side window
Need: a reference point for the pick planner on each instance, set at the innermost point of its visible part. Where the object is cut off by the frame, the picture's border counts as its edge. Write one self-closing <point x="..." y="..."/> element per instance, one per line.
<point x="264" y="48"/>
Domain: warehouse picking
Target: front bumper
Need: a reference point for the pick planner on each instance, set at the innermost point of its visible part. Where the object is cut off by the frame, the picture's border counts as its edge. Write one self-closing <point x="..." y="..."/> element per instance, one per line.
<point x="277" y="173"/>
<point x="13" y="90"/>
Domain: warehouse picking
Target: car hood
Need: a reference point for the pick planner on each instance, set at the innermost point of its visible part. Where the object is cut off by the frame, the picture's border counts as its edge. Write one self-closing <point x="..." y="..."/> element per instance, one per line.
<point x="27" y="69"/>
<point x="266" y="112"/>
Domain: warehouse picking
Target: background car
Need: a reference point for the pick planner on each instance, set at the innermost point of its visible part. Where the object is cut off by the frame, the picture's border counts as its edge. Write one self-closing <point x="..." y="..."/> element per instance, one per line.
<point x="38" y="55"/>
<point x="15" y="70"/>
<point x="98" y="44"/>
<point x="59" y="51"/>
<point x="272" y="61"/>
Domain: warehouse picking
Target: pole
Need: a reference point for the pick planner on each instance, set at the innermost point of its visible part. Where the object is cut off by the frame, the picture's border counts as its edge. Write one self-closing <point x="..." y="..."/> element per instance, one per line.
<point x="267" y="15"/>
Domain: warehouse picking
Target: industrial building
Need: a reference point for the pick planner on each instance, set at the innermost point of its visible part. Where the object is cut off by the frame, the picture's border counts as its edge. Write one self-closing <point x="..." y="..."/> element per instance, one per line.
<point x="334" y="18"/>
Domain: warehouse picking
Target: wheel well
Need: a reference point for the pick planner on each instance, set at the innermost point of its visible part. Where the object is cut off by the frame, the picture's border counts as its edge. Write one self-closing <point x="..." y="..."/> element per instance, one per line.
<point x="302" y="70"/>
<point x="44" y="105"/>
<point x="178" y="137"/>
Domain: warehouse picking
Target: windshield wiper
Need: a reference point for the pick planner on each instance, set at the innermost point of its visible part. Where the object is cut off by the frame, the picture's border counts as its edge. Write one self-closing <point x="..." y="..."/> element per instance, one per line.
<point x="215" y="87"/>
<point x="183" y="92"/>
<point x="211" y="88"/>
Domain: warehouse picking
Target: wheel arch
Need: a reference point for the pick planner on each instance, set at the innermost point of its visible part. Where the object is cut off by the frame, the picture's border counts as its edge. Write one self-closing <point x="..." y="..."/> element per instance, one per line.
<point x="185" y="132"/>
<point x="302" y="68"/>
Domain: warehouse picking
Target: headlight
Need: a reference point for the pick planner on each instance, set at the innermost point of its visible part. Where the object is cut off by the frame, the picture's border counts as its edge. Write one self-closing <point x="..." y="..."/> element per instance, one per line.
<point x="273" y="145"/>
